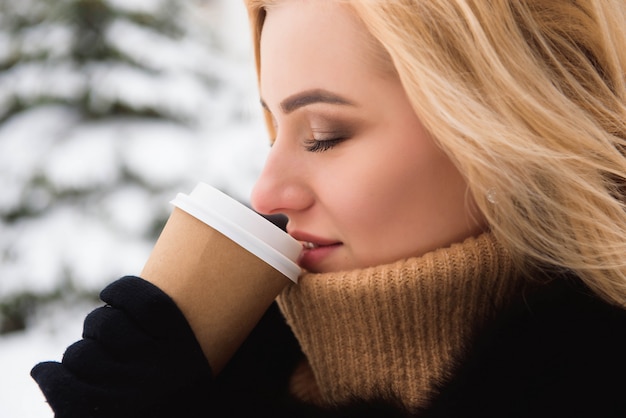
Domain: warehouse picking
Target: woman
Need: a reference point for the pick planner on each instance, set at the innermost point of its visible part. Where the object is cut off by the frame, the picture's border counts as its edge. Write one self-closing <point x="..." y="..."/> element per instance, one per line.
<point x="455" y="172"/>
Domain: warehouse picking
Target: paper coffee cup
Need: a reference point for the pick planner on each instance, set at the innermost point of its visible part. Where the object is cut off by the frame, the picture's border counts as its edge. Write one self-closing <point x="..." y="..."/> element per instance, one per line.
<point x="243" y="226"/>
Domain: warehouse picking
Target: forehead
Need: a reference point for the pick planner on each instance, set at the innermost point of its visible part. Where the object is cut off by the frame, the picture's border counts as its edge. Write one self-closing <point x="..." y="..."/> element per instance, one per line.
<point x="308" y="43"/>
<point x="311" y="23"/>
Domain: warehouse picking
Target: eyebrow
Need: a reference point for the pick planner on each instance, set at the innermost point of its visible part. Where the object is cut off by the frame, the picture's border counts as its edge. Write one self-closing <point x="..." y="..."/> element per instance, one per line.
<point x="308" y="97"/>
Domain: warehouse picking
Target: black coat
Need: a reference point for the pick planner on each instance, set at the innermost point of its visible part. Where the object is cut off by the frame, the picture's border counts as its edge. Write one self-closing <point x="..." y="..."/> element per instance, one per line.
<point x="558" y="352"/>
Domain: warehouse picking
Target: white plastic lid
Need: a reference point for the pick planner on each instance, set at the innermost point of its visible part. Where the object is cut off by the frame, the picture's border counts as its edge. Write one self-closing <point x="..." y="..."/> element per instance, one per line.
<point x="244" y="226"/>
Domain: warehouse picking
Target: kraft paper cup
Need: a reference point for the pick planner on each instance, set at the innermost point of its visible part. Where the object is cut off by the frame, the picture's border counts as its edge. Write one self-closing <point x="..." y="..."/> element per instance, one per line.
<point x="243" y="226"/>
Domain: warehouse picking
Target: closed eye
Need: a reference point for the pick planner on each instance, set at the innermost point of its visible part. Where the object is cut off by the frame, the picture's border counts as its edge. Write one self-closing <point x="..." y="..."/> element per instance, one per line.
<point x="321" y="145"/>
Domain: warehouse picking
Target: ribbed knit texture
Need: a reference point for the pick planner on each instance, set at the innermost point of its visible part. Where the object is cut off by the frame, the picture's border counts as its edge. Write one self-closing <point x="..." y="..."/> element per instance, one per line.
<point x="396" y="328"/>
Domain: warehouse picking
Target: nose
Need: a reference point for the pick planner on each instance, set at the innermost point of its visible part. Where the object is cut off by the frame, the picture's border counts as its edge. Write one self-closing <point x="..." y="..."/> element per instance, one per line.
<point x="282" y="186"/>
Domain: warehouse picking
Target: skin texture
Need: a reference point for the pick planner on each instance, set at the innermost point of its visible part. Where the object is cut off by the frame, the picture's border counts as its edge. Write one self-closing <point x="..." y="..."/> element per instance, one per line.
<point x="351" y="166"/>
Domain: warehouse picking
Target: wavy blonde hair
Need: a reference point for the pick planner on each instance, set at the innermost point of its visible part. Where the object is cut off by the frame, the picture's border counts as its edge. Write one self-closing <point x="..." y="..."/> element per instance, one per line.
<point x="528" y="98"/>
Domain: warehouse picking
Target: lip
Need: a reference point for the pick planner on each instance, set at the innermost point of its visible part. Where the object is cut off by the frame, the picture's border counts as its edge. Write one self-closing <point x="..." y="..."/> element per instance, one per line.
<point x="314" y="249"/>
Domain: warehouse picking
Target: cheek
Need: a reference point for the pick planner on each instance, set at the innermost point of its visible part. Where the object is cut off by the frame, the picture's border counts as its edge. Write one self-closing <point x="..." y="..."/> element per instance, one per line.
<point x="379" y="186"/>
<point x="398" y="201"/>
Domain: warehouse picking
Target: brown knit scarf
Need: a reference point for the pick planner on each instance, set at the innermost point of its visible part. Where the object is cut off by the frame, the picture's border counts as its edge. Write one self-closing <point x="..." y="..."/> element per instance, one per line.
<point x="395" y="328"/>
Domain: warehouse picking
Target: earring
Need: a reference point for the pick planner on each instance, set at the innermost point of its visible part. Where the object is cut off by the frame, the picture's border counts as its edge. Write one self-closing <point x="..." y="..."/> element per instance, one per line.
<point x="492" y="196"/>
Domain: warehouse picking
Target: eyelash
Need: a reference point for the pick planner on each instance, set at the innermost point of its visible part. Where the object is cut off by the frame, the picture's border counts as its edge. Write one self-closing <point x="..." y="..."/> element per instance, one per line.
<point x="321" y="145"/>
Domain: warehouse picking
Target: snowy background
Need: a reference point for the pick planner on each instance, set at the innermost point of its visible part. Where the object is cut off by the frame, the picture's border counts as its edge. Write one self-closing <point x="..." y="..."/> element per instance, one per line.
<point x="108" y="108"/>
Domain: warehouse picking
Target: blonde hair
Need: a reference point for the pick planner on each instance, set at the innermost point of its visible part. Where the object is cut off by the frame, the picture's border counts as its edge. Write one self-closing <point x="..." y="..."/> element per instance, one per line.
<point x="528" y="98"/>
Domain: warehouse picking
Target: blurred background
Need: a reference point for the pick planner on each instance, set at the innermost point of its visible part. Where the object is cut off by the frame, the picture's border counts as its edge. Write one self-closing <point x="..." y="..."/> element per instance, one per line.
<point x="108" y="109"/>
